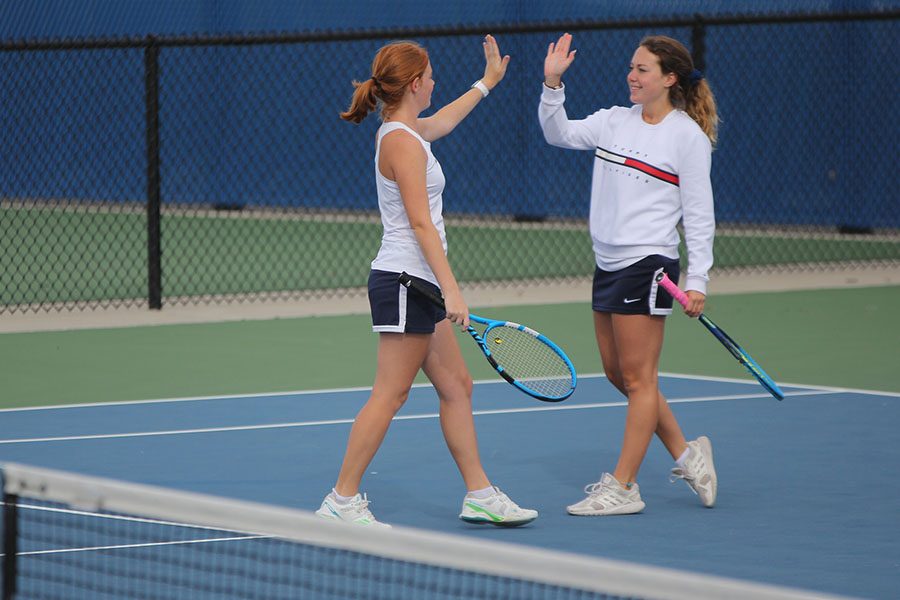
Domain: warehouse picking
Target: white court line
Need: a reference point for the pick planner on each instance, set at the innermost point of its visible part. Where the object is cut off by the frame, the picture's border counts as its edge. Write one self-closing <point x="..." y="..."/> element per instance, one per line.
<point x="196" y="398"/>
<point x="499" y="411"/>
<point x="824" y="388"/>
<point x="416" y="385"/>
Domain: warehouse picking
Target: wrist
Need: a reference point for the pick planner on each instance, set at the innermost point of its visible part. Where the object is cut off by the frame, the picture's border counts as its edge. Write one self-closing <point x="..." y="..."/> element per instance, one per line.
<point x="482" y="87"/>
<point x="554" y="83"/>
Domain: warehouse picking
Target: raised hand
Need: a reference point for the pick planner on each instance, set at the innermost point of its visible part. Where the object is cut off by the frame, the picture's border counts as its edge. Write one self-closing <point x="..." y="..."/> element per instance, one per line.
<point x="558" y="60"/>
<point x="494" y="66"/>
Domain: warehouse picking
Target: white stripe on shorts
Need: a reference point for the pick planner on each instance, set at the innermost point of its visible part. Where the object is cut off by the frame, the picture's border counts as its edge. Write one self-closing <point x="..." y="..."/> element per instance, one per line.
<point x="654" y="288"/>
<point x="401" y="304"/>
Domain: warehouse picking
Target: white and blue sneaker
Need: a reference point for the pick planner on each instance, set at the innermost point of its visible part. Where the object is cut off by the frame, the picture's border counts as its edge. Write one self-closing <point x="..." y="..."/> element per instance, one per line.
<point x="496" y="509"/>
<point x="355" y="511"/>
<point x="698" y="471"/>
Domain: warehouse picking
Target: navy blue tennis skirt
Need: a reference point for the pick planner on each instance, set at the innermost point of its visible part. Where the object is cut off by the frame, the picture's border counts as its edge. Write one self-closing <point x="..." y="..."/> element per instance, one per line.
<point x="397" y="309"/>
<point x="633" y="290"/>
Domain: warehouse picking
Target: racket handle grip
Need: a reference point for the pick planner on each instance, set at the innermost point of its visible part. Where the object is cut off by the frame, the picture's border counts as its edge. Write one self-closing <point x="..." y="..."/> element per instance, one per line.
<point x="409" y="282"/>
<point x="667" y="284"/>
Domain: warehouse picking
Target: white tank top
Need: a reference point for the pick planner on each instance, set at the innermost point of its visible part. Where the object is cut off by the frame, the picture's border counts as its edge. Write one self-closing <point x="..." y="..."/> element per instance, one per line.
<point x="400" y="250"/>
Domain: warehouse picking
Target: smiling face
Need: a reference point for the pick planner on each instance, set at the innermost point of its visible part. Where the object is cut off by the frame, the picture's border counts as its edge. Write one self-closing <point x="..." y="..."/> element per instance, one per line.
<point x="647" y="83"/>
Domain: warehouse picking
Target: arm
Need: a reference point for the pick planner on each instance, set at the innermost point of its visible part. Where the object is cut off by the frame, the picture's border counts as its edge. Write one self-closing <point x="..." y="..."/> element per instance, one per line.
<point x="446" y="119"/>
<point x="558" y="129"/>
<point x="404" y="161"/>
<point x="698" y="216"/>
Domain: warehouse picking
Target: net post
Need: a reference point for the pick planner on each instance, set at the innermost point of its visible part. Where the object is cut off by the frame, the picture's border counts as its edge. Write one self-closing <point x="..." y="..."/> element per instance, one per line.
<point x="151" y="100"/>
<point x="10" y="543"/>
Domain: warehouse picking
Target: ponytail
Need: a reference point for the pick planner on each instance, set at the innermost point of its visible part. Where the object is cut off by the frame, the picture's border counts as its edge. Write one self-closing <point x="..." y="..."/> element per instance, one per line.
<point x="700" y="105"/>
<point x="363" y="101"/>
<point x="395" y="66"/>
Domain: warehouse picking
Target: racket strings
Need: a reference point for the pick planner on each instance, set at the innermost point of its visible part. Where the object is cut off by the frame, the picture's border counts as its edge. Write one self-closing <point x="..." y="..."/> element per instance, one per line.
<point x="529" y="361"/>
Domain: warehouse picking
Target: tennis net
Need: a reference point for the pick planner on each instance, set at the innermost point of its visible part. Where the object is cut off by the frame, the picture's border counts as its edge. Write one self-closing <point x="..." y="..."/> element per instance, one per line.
<point x="74" y="536"/>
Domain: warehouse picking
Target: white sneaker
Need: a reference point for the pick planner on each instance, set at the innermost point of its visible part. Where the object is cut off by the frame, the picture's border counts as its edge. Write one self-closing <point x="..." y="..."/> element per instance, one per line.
<point x="356" y="511"/>
<point x="608" y="497"/>
<point x="496" y="509"/>
<point x="699" y="471"/>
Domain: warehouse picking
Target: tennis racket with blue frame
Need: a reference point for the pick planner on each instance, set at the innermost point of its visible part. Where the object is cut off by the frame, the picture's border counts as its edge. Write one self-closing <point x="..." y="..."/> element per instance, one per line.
<point x="733" y="347"/>
<point x="522" y="356"/>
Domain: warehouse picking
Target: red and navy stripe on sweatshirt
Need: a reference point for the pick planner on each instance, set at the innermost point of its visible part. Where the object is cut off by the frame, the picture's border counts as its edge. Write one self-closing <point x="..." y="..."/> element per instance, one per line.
<point x="639" y="165"/>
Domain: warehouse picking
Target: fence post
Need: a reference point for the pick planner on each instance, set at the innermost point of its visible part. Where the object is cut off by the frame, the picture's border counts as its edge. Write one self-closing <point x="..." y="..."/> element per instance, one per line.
<point x="151" y="98"/>
<point x="698" y="43"/>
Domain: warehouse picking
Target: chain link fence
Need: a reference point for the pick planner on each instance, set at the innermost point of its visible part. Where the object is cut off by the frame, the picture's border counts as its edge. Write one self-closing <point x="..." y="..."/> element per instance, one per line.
<point x="182" y="171"/>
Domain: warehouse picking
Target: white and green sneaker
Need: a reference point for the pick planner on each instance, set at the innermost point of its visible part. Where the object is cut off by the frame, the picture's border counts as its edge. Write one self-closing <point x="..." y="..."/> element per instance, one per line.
<point x="698" y="471"/>
<point x="356" y="511"/>
<point x="496" y="509"/>
<point x="608" y="497"/>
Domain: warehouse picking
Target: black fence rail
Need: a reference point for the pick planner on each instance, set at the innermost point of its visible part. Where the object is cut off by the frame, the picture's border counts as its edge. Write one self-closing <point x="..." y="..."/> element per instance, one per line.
<point x="174" y="170"/>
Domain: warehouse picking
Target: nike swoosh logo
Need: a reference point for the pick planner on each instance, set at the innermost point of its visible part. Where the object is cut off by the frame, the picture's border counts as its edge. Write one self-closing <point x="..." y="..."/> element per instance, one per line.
<point x="627" y="301"/>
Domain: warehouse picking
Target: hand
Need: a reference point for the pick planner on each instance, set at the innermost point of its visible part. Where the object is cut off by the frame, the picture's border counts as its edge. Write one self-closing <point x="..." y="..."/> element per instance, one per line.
<point x="494" y="66"/>
<point x="696" y="302"/>
<point x="558" y="60"/>
<point x="456" y="308"/>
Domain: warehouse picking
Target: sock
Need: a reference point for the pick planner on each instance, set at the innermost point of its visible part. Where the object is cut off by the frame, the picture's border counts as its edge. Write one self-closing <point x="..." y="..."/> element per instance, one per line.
<point x="341" y="499"/>
<point x="482" y="494"/>
<point x="683" y="457"/>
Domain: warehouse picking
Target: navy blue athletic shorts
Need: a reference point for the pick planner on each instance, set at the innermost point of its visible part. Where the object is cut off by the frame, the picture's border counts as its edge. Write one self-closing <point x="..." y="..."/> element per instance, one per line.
<point x="633" y="290"/>
<point x="397" y="309"/>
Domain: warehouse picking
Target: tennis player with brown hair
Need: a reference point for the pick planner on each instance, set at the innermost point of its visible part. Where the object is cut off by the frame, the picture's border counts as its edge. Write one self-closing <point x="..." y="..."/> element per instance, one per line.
<point x="651" y="171"/>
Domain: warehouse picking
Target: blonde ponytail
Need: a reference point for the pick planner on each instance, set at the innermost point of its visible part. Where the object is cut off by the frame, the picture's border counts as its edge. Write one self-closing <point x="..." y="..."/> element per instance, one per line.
<point x="700" y="105"/>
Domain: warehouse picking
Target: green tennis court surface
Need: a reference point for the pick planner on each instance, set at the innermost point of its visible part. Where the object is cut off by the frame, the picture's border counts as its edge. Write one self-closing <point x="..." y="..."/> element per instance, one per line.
<point x="840" y="337"/>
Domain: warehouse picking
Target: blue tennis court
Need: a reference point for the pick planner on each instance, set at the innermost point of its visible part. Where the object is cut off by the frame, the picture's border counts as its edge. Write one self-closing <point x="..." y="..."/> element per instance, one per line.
<point x="807" y="494"/>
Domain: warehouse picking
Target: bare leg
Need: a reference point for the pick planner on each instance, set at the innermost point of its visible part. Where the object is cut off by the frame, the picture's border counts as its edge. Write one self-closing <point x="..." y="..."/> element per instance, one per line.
<point x="638" y="341"/>
<point x="445" y="367"/>
<point x="667" y="429"/>
<point x="603" y="330"/>
<point x="400" y="355"/>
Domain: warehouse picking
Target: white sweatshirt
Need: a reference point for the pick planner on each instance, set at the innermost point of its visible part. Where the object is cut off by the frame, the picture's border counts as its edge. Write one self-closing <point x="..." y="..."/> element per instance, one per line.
<point x="646" y="179"/>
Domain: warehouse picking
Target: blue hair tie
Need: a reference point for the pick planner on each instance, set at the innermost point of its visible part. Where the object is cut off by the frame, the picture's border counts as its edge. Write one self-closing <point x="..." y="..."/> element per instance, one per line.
<point x="695" y="76"/>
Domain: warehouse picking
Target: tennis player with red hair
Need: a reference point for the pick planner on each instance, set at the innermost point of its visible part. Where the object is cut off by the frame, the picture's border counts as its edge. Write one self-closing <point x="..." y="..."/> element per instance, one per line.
<point x="413" y="333"/>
